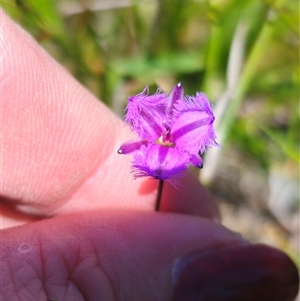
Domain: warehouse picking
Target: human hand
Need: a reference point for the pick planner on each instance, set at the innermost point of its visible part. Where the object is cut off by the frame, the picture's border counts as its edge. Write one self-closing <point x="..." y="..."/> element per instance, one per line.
<point x="86" y="230"/>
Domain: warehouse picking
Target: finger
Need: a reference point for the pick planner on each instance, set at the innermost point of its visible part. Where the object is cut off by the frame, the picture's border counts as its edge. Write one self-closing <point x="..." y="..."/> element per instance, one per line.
<point x="139" y="256"/>
<point x="98" y="255"/>
<point x="56" y="136"/>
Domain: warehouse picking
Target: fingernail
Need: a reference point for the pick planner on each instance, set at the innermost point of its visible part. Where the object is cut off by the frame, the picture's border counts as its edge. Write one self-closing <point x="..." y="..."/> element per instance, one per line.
<point x="238" y="273"/>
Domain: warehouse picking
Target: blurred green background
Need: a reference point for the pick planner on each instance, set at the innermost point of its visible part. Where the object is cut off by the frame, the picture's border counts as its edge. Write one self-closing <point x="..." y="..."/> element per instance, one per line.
<point x="243" y="54"/>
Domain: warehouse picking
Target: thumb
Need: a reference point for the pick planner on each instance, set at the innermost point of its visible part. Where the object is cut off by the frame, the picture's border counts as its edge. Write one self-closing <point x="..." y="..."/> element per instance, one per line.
<point x="118" y="256"/>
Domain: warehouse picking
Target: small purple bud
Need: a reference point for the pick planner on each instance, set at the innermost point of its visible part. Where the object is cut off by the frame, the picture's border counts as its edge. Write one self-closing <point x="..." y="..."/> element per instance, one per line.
<point x="131" y="146"/>
<point x="196" y="161"/>
<point x="176" y="94"/>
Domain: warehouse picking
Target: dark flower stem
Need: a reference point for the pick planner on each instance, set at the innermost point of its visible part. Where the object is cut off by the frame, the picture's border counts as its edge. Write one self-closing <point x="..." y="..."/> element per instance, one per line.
<point x="159" y="194"/>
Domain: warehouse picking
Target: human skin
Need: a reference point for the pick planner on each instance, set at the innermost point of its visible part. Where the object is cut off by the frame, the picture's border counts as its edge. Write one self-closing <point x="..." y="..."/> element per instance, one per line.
<point x="75" y="224"/>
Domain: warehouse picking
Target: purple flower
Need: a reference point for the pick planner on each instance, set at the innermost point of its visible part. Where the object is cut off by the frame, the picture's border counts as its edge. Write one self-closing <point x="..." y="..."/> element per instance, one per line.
<point x="172" y="131"/>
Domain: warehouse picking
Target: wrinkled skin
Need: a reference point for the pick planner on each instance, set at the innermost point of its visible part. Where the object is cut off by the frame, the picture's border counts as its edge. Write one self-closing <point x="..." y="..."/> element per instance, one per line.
<point x="75" y="224"/>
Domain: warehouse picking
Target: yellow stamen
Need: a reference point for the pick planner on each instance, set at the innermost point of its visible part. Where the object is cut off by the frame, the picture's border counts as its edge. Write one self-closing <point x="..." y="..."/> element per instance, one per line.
<point x="166" y="143"/>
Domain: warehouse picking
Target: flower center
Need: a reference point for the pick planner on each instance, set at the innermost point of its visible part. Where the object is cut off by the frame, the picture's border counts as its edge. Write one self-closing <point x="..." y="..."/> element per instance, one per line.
<point x="166" y="139"/>
<point x="166" y="143"/>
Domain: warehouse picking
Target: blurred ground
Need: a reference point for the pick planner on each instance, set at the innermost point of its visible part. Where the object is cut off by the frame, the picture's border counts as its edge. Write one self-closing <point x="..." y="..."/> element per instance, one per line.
<point x="259" y="205"/>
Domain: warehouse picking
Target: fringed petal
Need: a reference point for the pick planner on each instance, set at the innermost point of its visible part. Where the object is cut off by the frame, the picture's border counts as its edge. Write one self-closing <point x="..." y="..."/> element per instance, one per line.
<point x="192" y="129"/>
<point x="145" y="114"/>
<point x="159" y="162"/>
